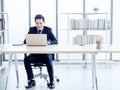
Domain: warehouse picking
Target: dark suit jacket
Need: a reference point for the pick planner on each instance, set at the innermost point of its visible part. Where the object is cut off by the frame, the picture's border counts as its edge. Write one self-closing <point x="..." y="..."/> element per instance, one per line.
<point x="46" y="30"/>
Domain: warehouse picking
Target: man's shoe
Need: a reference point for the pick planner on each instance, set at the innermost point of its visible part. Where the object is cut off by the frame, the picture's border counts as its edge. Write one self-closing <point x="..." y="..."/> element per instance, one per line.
<point x="31" y="83"/>
<point x="51" y="85"/>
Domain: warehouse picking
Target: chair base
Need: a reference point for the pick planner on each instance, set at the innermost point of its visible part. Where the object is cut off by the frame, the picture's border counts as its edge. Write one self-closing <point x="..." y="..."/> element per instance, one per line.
<point x="45" y="76"/>
<point x="42" y="76"/>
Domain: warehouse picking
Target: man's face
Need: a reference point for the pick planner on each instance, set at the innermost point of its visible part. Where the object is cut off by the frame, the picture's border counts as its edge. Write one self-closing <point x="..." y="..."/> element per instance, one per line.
<point x="39" y="24"/>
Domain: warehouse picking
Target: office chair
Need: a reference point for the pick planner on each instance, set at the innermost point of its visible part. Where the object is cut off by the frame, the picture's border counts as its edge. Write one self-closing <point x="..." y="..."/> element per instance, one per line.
<point x="40" y="74"/>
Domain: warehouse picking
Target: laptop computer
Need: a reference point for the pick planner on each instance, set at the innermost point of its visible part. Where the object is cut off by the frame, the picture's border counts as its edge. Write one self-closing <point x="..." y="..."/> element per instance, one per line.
<point x="36" y="39"/>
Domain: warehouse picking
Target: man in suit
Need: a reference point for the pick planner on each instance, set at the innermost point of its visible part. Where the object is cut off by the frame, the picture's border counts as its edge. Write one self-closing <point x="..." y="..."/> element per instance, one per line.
<point x="45" y="58"/>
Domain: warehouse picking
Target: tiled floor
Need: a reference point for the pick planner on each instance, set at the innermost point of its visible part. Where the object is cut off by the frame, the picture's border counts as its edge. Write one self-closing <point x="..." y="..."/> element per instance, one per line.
<point x="72" y="77"/>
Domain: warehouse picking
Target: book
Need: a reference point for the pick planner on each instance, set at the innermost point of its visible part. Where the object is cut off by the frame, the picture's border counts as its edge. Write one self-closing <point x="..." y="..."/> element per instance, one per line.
<point x="2" y="24"/>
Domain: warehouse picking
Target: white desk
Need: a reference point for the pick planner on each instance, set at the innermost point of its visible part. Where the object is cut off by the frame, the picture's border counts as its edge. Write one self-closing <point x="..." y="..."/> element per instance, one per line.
<point x="91" y="49"/>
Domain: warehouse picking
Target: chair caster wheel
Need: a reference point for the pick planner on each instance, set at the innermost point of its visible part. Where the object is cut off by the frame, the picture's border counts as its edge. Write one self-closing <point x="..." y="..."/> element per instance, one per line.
<point x="57" y="80"/>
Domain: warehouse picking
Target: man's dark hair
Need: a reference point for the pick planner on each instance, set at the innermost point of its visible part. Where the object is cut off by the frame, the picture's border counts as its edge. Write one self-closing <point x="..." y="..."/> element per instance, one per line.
<point x="39" y="16"/>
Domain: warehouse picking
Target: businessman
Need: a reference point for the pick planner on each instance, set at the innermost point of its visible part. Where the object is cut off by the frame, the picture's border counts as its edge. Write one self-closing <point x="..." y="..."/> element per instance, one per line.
<point x="40" y="28"/>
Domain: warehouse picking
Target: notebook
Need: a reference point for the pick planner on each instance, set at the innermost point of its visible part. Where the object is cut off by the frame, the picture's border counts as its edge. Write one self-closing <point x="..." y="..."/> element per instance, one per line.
<point x="36" y="39"/>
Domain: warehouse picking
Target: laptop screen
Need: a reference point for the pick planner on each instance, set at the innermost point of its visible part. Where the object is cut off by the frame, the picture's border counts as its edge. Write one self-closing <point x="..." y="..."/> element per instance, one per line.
<point x="36" y="39"/>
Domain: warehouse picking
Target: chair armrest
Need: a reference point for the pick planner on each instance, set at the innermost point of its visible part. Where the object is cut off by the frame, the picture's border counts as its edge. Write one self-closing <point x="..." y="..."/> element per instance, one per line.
<point x="25" y="55"/>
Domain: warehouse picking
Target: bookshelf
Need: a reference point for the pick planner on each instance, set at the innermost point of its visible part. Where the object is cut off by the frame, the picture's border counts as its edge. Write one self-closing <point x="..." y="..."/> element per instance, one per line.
<point x="4" y="27"/>
<point x="94" y="22"/>
<point x="4" y="34"/>
<point x="81" y="31"/>
<point x="90" y="24"/>
<point x="4" y="39"/>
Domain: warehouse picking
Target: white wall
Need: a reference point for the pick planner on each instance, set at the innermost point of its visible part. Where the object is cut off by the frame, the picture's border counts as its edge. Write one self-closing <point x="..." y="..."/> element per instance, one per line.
<point x="47" y="9"/>
<point x="18" y="19"/>
<point x="116" y="27"/>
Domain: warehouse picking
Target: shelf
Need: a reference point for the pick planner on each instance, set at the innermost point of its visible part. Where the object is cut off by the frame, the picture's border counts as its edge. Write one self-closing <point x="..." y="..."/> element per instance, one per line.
<point x="3" y="30"/>
<point x="85" y="29"/>
<point x="3" y="13"/>
<point x="86" y="13"/>
<point x="89" y="29"/>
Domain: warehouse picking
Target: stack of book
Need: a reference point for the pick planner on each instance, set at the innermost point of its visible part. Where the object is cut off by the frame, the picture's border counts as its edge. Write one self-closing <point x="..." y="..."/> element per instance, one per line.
<point x="97" y="24"/>
<point x="85" y="39"/>
<point x="79" y="24"/>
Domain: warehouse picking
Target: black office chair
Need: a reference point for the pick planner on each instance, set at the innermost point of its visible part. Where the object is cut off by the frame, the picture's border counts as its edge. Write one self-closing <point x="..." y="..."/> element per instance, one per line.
<point x="40" y="74"/>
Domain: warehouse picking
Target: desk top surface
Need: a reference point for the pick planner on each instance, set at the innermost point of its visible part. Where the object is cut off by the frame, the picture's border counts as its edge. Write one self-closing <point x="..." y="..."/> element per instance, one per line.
<point x="8" y="48"/>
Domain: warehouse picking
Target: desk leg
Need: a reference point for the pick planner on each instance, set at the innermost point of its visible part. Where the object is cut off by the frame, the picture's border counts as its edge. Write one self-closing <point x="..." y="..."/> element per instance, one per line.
<point x="94" y="74"/>
<point x="9" y="67"/>
<point x="84" y="59"/>
<point x="93" y="83"/>
<point x="16" y="67"/>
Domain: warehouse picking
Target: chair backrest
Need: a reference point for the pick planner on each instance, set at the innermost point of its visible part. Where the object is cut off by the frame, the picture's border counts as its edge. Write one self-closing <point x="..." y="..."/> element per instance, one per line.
<point x="39" y="64"/>
<point x="53" y="56"/>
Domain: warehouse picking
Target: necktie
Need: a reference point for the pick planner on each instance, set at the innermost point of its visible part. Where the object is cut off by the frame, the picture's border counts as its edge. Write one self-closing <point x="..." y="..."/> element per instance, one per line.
<point x="39" y="32"/>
